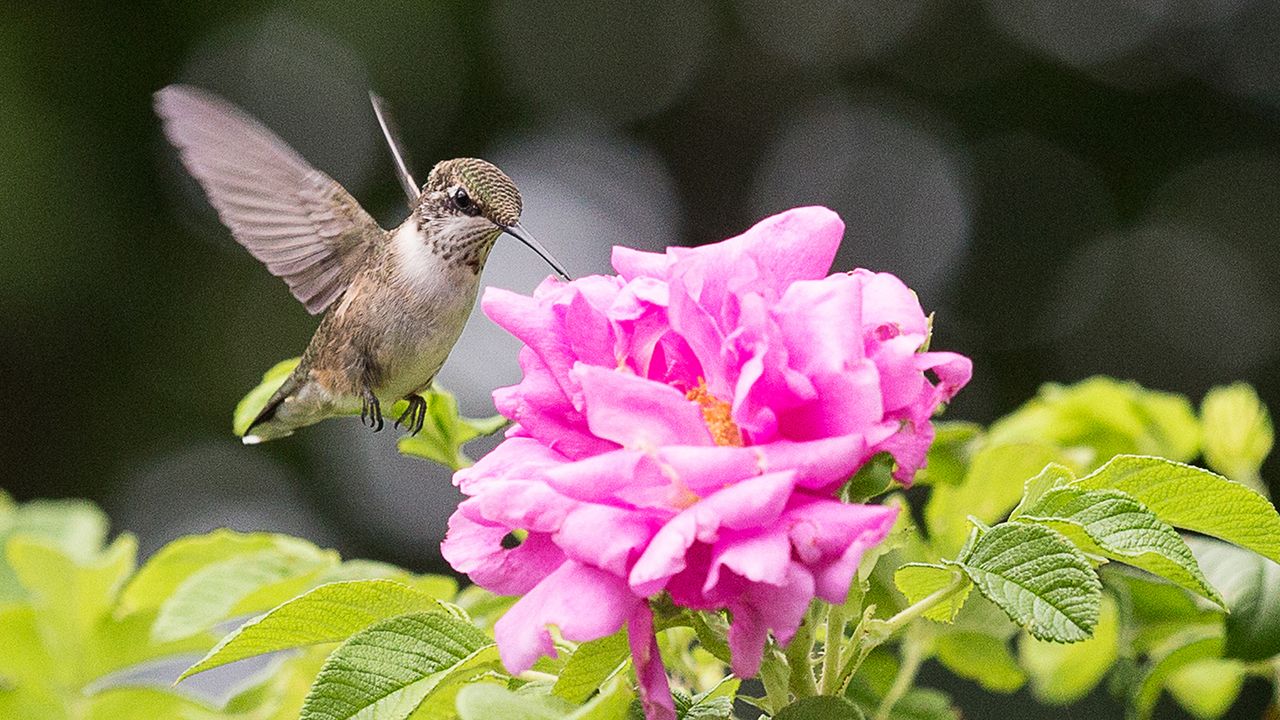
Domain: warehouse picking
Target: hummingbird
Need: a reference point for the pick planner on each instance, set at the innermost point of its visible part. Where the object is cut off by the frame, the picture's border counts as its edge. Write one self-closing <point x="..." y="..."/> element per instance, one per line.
<point x="394" y="302"/>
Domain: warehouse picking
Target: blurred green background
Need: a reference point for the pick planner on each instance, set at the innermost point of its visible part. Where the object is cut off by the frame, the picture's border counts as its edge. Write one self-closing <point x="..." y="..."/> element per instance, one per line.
<point x="1075" y="187"/>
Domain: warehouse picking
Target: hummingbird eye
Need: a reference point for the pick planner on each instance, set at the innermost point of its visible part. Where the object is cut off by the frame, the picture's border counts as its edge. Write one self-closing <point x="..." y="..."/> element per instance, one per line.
<point x="463" y="201"/>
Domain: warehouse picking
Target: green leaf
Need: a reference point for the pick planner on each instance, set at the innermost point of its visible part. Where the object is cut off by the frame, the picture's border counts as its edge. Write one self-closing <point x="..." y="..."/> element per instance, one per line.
<point x="240" y="584"/>
<point x="484" y="701"/>
<point x="328" y="613"/>
<point x="924" y="704"/>
<point x="990" y="488"/>
<point x="445" y="431"/>
<point x="1207" y="688"/>
<point x="1152" y="609"/>
<point x="919" y="580"/>
<point x="440" y="587"/>
<point x="917" y="704"/>
<point x="1181" y="651"/>
<point x="982" y="658"/>
<point x="821" y="707"/>
<point x="484" y="607"/>
<point x="872" y="479"/>
<point x="175" y="562"/>
<point x="1062" y="674"/>
<point x="950" y="454"/>
<point x="146" y="704"/>
<point x="1052" y="476"/>
<point x="385" y="671"/>
<point x="1238" y="433"/>
<point x="32" y="702"/>
<point x="1194" y="499"/>
<point x="591" y="666"/>
<point x="1101" y="417"/>
<point x="70" y="596"/>
<point x="76" y="527"/>
<point x="117" y="643"/>
<point x="614" y="701"/>
<point x="712" y="632"/>
<point x="716" y="703"/>
<point x="1040" y="579"/>
<point x="1114" y="525"/>
<point x="1251" y="585"/>
<point x="251" y="405"/>
<point x="25" y="660"/>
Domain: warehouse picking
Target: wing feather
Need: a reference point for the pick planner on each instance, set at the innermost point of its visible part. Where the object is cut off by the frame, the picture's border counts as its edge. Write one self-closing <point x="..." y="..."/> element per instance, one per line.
<point x="300" y="222"/>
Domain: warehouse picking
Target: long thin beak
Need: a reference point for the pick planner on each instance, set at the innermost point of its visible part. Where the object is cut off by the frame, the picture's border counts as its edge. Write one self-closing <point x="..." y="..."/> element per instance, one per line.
<point x="518" y="232"/>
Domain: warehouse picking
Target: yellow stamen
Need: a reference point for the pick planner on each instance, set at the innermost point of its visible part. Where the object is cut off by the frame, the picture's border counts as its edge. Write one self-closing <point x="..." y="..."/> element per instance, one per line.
<point x="717" y="414"/>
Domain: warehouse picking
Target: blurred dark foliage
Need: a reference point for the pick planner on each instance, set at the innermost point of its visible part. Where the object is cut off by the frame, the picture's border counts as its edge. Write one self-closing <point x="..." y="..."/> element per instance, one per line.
<point x="1076" y="188"/>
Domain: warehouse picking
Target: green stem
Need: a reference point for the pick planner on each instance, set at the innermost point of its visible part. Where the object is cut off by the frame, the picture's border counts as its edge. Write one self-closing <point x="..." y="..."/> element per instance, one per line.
<point x="774" y="676"/>
<point x="886" y="629"/>
<point x="912" y="656"/>
<point x="800" y="657"/>
<point x="536" y="676"/>
<point x="870" y="634"/>
<point x="831" y="651"/>
<point x="855" y="643"/>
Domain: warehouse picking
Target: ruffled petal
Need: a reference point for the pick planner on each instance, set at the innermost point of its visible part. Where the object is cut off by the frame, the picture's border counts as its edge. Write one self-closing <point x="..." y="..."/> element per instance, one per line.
<point x="606" y="537"/>
<point x="476" y="549"/>
<point x="632" y="264"/>
<point x="820" y="322"/>
<point x="515" y="458"/>
<point x="639" y="413"/>
<point x="757" y="502"/>
<point x="830" y="538"/>
<point x="585" y="603"/>
<point x="655" y="691"/>
<point x="760" y="555"/>
<point x="888" y="303"/>
<point x="541" y="407"/>
<point x="761" y="608"/>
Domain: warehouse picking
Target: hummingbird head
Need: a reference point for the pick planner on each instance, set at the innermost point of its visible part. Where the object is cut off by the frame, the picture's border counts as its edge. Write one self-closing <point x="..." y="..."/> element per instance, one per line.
<point x="470" y="187"/>
<point x="481" y="202"/>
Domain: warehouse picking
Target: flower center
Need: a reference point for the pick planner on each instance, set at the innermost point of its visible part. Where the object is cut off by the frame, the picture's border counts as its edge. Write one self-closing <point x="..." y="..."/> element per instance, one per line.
<point x="717" y="414"/>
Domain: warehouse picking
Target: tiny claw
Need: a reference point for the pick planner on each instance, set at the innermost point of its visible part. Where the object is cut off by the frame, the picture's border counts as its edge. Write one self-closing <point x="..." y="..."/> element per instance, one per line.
<point x="372" y="409"/>
<point x="421" y="418"/>
<point x="415" y="415"/>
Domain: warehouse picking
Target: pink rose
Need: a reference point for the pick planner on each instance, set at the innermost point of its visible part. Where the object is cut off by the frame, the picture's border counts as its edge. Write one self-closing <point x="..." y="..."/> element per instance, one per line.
<point x="683" y="427"/>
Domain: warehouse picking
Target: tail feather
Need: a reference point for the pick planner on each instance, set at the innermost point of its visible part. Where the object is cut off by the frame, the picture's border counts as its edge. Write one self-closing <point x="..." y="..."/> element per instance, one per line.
<point x="263" y="422"/>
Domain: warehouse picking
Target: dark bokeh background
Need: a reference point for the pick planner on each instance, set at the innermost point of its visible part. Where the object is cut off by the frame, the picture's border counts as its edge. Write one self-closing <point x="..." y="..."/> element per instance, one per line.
<point x="1075" y="187"/>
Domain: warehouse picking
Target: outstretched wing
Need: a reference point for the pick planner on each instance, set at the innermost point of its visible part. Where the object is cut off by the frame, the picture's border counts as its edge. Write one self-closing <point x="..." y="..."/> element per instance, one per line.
<point x="393" y="143"/>
<point x="297" y="220"/>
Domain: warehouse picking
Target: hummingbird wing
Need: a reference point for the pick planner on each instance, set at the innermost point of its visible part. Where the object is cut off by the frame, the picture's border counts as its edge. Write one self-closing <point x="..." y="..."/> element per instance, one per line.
<point x="393" y="142"/>
<point x="300" y="222"/>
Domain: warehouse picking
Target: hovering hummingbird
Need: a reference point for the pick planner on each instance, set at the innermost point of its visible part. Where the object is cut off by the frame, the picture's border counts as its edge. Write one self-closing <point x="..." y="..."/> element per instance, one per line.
<point x="394" y="301"/>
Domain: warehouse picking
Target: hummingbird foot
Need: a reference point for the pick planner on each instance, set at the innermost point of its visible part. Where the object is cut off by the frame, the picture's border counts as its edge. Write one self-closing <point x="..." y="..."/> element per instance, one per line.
<point x="371" y="410"/>
<point x="415" y="416"/>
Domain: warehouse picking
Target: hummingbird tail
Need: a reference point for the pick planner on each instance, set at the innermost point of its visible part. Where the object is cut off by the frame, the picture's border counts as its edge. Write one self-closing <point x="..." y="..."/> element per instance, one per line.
<point x="263" y="428"/>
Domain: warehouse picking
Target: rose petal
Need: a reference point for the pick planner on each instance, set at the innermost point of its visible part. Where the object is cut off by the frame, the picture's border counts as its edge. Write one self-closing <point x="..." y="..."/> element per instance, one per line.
<point x="606" y="537"/>
<point x="759" y="555"/>
<point x="830" y="537"/>
<point x="762" y="608"/>
<point x="820" y="322"/>
<point x="757" y="502"/>
<point x="517" y="457"/>
<point x="585" y="603"/>
<point x="540" y="406"/>
<point x="887" y="301"/>
<point x="632" y="264"/>
<point x="639" y="413"/>
<point x="476" y="549"/>
<point x="654" y="690"/>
